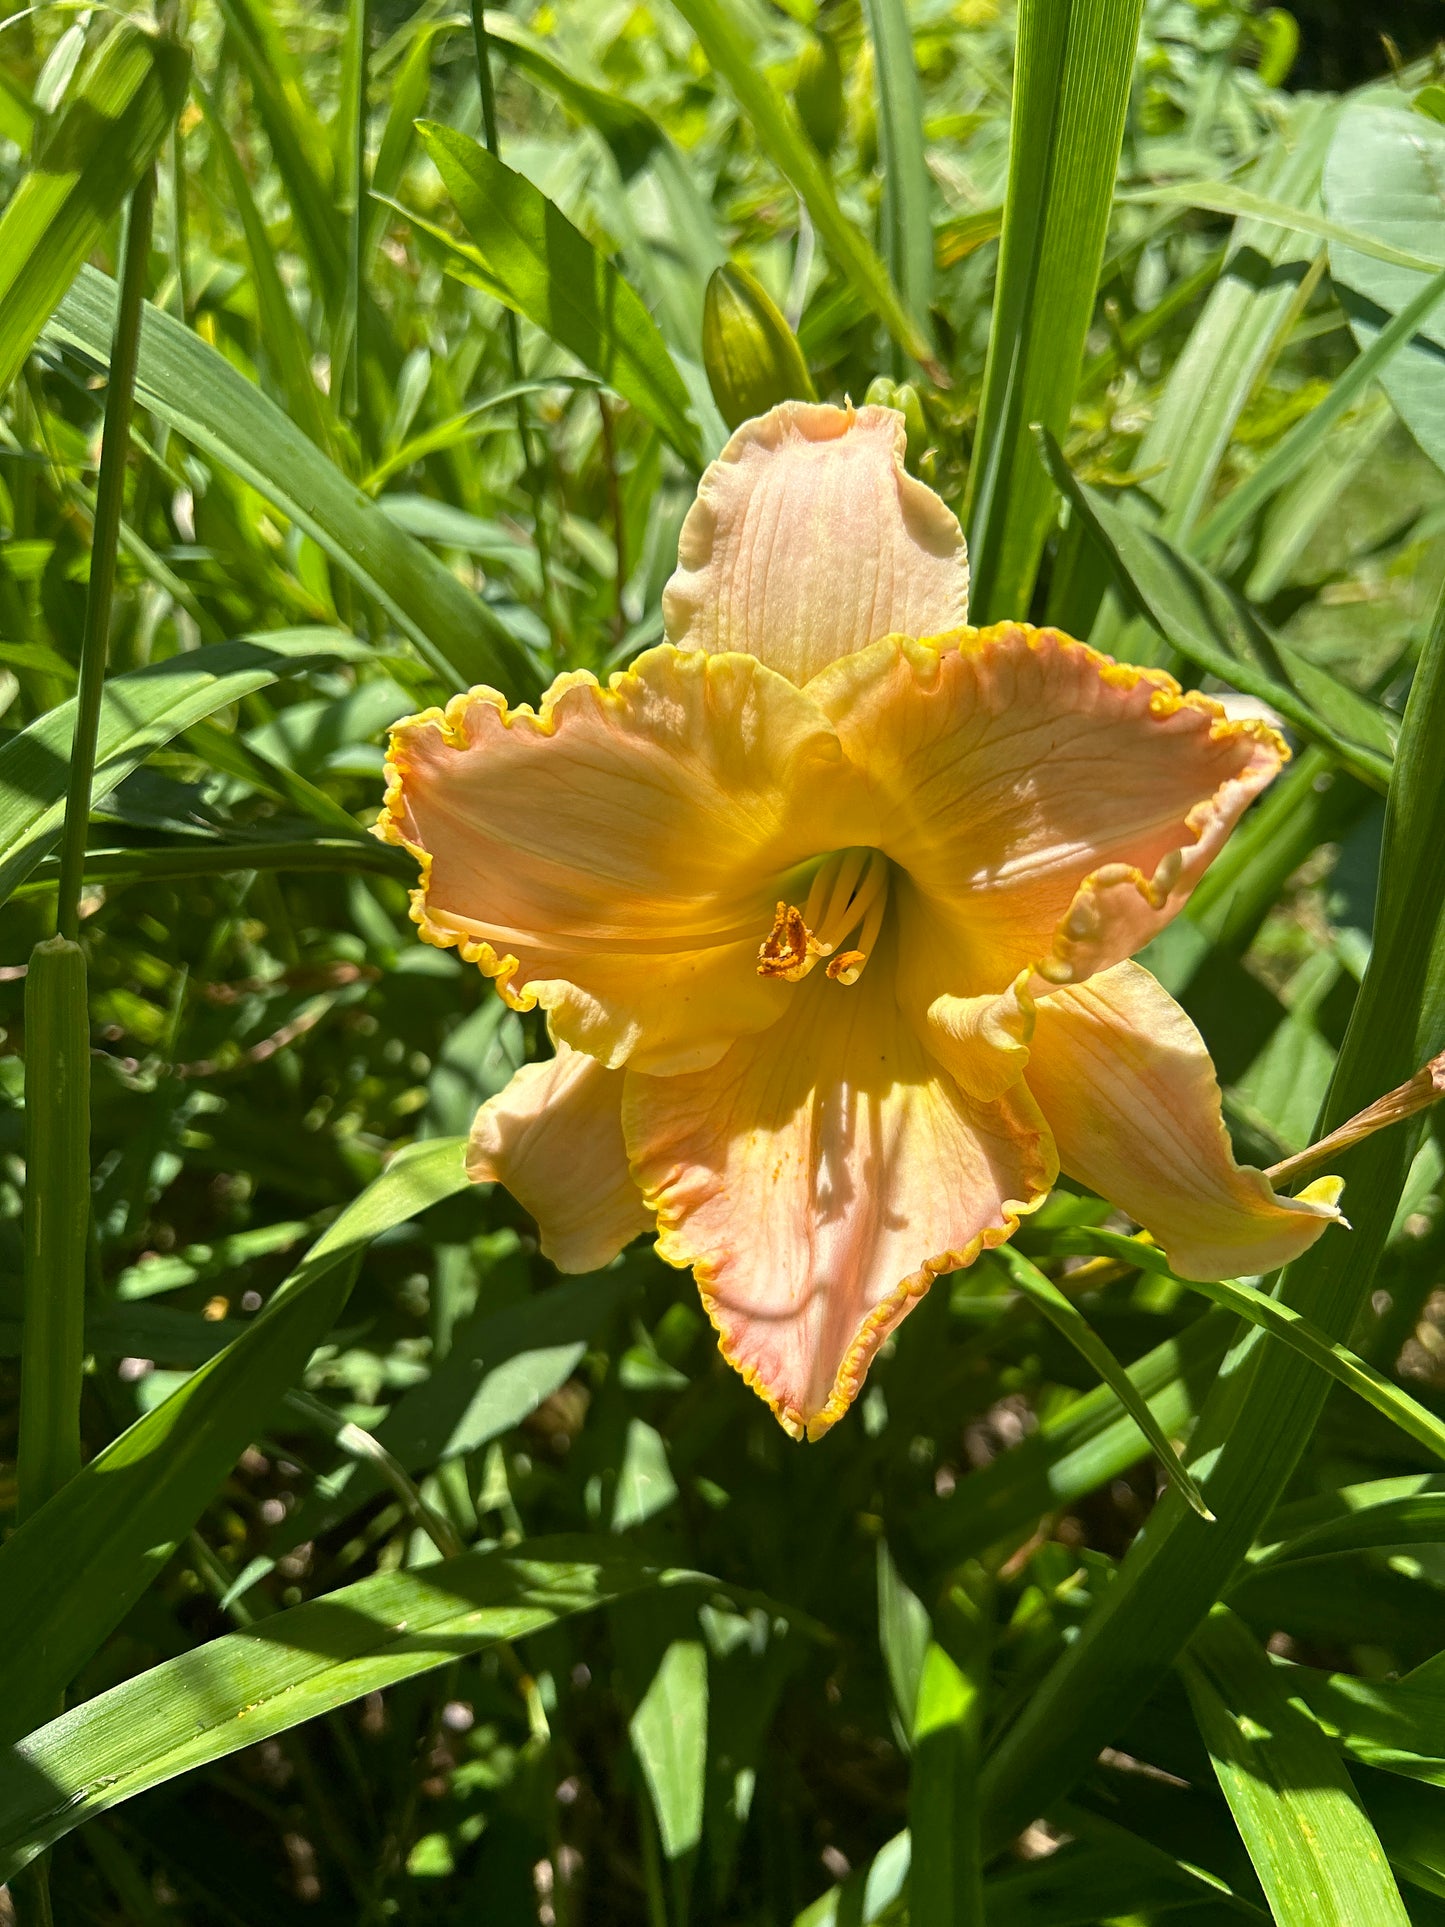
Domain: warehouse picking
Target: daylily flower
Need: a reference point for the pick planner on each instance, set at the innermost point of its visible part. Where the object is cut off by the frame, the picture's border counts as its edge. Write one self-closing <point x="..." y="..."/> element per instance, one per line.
<point x="832" y="923"/>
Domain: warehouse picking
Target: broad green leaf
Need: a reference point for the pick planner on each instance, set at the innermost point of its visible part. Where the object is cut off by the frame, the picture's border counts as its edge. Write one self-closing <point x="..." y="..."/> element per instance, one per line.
<point x="1212" y="627"/>
<point x="73" y="1570"/>
<point x="1318" y="1858"/>
<point x="1073" y="69"/>
<point x="1397" y="1725"/>
<point x="139" y="712"/>
<point x="119" y="110"/>
<point x="501" y="1366"/>
<point x="1066" y="1317"/>
<point x="1267" y="1400"/>
<point x="247" y="1686"/>
<point x="200" y="395"/>
<point x="1383" y="180"/>
<point x="553" y="275"/>
<point x="731" y="54"/>
<point x="669" y="1737"/>
<point x="1283" y="1322"/>
<point x="907" y="188"/>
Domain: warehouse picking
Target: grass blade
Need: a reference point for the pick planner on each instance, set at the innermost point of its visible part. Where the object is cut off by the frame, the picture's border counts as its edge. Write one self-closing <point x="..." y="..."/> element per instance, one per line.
<point x="247" y="1686"/>
<point x="553" y="275"/>
<point x="105" y="139"/>
<point x="1267" y="1401"/>
<point x="1212" y="627"/>
<point x="72" y="1572"/>
<point x="945" y="1878"/>
<point x="1221" y="197"/>
<point x="1074" y="66"/>
<point x="200" y="395"/>
<point x="138" y="713"/>
<point x="1319" y="1860"/>
<point x="731" y="54"/>
<point x="1283" y="1322"/>
<point x="1068" y="1319"/>
<point x="907" y="189"/>
<point x="1304" y="440"/>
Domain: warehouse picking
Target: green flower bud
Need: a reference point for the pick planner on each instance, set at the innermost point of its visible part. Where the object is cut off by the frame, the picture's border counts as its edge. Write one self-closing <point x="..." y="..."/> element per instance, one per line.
<point x="818" y="93"/>
<point x="903" y="396"/>
<point x="1278" y="36"/>
<point x="752" y="356"/>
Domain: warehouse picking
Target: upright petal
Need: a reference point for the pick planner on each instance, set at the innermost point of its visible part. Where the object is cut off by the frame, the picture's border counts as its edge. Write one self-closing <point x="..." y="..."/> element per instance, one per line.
<point x="1125" y="1082"/>
<point x="809" y="539"/>
<point x="615" y="857"/>
<point x="818" y="1179"/>
<point x="553" y="1137"/>
<point x="1052" y="808"/>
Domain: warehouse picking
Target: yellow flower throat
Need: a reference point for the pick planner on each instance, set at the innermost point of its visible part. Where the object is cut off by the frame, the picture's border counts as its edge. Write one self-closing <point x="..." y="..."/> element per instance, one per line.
<point x="847" y="899"/>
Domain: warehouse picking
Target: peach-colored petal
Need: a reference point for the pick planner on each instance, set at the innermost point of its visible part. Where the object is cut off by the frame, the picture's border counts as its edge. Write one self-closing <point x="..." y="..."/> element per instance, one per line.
<point x="553" y="1137"/>
<point x="819" y="1178"/>
<point x="1126" y="1085"/>
<point x="1051" y="808"/>
<point x="615" y="858"/>
<point x="808" y="539"/>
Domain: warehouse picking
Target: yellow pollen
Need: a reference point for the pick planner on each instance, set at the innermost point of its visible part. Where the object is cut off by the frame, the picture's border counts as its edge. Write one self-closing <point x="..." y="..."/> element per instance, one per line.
<point x="848" y="894"/>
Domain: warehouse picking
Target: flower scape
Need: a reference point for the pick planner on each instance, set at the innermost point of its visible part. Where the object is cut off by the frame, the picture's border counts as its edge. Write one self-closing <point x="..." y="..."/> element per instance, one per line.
<point x="831" y="901"/>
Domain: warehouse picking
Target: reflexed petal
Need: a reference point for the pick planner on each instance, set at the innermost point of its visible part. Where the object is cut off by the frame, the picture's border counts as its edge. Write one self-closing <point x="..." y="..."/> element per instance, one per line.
<point x="553" y="1137"/>
<point x="819" y="1178"/>
<point x="1125" y="1082"/>
<point x="808" y="539"/>
<point x="615" y="857"/>
<point x="1051" y="807"/>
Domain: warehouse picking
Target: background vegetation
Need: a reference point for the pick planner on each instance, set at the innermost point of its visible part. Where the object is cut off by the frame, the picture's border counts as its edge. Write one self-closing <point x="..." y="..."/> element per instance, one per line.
<point x="402" y="1580"/>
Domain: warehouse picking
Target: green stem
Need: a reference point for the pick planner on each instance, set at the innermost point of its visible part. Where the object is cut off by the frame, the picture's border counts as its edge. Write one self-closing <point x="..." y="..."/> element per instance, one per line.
<point x="531" y="473"/>
<point x="109" y="499"/>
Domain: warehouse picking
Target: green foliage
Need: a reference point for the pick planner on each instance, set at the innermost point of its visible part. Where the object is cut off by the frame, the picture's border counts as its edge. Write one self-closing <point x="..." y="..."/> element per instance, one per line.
<point x="395" y="1578"/>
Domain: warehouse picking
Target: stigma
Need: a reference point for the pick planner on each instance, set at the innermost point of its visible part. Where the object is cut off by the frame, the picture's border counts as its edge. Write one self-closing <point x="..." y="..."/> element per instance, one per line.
<point x="845" y="906"/>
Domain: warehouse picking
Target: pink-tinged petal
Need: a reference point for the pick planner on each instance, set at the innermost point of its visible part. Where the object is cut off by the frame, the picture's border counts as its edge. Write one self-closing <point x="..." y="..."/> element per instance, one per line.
<point x="819" y="1178"/>
<point x="1052" y="808"/>
<point x="615" y="857"/>
<point x="808" y="539"/>
<point x="1127" y="1087"/>
<point x="553" y="1137"/>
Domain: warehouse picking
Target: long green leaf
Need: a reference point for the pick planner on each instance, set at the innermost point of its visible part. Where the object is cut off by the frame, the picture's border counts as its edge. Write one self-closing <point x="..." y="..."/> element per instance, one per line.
<point x="247" y="1686"/>
<point x="72" y="1571"/>
<point x="1073" y="70"/>
<point x="197" y="391"/>
<point x="1067" y="1317"/>
<point x="1268" y="1399"/>
<point x="1291" y="1327"/>
<point x="139" y="712"/>
<point x="1224" y="198"/>
<point x="119" y="111"/>
<point x="1211" y="626"/>
<point x="1397" y="1725"/>
<point x="1319" y="1860"/>
<point x="629" y="130"/>
<point x="731" y="54"/>
<point x="553" y="275"/>
<point x="907" y="189"/>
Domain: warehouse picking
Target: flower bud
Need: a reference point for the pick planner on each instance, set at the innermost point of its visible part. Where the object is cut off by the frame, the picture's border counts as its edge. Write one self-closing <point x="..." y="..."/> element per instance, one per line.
<point x="903" y="396"/>
<point x="818" y="93"/>
<point x="752" y="356"/>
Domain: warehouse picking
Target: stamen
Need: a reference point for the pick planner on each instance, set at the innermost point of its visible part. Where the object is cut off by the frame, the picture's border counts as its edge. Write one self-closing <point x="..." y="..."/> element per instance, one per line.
<point x="848" y="894"/>
<point x="789" y="950"/>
